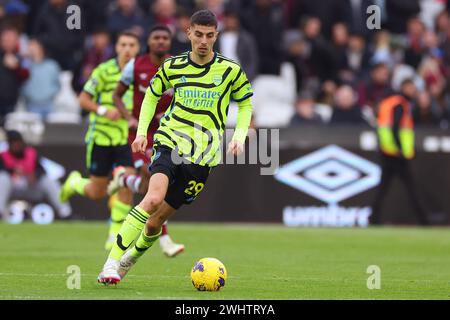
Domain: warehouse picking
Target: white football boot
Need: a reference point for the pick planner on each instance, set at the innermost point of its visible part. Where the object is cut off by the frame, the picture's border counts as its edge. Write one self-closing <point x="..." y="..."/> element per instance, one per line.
<point x="109" y="274"/>
<point x="125" y="264"/>
<point x="170" y="248"/>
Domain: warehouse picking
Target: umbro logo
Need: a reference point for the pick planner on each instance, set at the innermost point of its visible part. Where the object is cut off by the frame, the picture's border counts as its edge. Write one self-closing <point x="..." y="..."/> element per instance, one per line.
<point x="330" y="174"/>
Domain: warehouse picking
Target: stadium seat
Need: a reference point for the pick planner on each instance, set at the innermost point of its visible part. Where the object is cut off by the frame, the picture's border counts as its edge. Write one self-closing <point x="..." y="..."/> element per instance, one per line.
<point x="274" y="98"/>
<point x="28" y="123"/>
<point x="66" y="102"/>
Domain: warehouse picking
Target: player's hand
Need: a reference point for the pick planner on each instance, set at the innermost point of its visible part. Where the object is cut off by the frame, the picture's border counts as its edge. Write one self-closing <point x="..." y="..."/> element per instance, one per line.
<point x="133" y="123"/>
<point x="139" y="144"/>
<point x="113" y="114"/>
<point x="235" y="147"/>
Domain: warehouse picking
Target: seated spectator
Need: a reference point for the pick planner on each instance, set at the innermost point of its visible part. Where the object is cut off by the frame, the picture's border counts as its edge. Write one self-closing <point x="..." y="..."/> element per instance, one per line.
<point x="164" y="12"/>
<point x="305" y="112"/>
<point x="398" y="13"/>
<point x="99" y="51"/>
<point x="264" y="20"/>
<point x="376" y="88"/>
<point x="22" y="177"/>
<point x="180" y="40"/>
<point x="43" y="85"/>
<point x="345" y="109"/>
<point x="382" y="51"/>
<point x="238" y="45"/>
<point x="320" y="57"/>
<point x="424" y="110"/>
<point x="12" y="71"/>
<point x="339" y="41"/>
<point x="357" y="57"/>
<point x="128" y="16"/>
<point x="61" y="43"/>
<point x="416" y="47"/>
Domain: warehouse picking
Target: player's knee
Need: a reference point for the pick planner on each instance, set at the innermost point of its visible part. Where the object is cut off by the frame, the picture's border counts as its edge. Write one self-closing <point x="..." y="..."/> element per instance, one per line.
<point x="154" y="201"/>
<point x="97" y="193"/>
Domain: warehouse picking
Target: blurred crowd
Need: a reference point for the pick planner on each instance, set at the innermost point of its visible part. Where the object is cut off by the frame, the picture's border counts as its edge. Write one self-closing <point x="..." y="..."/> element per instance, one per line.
<point x="342" y="69"/>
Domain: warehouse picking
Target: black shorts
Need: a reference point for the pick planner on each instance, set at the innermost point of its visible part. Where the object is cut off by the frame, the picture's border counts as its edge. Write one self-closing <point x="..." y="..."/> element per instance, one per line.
<point x="186" y="180"/>
<point x="100" y="160"/>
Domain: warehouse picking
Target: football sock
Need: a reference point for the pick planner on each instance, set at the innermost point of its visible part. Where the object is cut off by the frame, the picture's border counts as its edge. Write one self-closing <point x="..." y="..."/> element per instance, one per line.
<point x="132" y="182"/>
<point x="119" y="211"/>
<point x="129" y="231"/>
<point x="79" y="184"/>
<point x="164" y="229"/>
<point x="143" y="243"/>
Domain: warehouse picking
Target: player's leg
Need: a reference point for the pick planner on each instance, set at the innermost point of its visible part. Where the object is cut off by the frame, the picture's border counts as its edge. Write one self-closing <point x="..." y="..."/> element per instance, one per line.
<point x="388" y="168"/>
<point x="133" y="225"/>
<point x="99" y="164"/>
<point x="148" y="236"/>
<point x="138" y="183"/>
<point x="50" y="189"/>
<point x="122" y="204"/>
<point x="406" y="176"/>
<point x="189" y="180"/>
<point x="120" y="207"/>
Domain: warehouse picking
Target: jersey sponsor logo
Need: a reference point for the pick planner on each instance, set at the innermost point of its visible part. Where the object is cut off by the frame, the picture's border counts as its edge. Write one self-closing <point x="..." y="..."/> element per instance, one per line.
<point x="198" y="98"/>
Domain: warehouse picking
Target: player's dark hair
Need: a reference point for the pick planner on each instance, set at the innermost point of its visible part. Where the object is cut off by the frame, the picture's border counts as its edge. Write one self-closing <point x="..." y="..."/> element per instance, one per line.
<point x="204" y="18"/>
<point x="160" y="27"/>
<point x="128" y="34"/>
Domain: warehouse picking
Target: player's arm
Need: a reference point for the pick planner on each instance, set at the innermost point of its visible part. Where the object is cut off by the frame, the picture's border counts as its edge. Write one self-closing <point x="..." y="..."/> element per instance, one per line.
<point x="158" y="85"/>
<point x="87" y="101"/>
<point x="125" y="81"/>
<point x="241" y="92"/>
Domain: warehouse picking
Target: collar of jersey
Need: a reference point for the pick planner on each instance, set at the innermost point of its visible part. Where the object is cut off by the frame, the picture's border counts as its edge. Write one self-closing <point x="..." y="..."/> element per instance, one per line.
<point x="203" y="65"/>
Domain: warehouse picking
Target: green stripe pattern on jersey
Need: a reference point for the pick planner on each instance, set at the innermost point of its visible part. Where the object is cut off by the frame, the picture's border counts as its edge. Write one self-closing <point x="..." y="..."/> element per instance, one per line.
<point x="195" y="121"/>
<point x="100" y="86"/>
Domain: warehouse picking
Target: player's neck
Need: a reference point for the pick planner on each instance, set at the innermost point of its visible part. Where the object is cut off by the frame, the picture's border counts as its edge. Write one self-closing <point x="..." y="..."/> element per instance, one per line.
<point x="199" y="59"/>
<point x="157" y="59"/>
<point x="122" y="63"/>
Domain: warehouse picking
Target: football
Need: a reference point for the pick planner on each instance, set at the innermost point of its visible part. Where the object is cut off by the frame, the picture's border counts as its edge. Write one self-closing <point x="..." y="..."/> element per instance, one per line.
<point x="208" y="274"/>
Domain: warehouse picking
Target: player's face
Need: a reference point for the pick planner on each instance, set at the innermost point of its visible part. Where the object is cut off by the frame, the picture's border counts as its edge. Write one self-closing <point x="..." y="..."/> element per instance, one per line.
<point x="127" y="48"/>
<point x="202" y="39"/>
<point x="159" y="42"/>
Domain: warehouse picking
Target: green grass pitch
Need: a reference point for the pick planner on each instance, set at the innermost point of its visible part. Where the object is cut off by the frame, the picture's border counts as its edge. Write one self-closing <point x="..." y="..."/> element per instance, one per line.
<point x="263" y="262"/>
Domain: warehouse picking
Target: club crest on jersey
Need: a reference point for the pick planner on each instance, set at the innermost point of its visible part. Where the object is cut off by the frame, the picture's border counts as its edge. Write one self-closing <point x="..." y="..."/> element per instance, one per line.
<point x="217" y="79"/>
<point x="183" y="79"/>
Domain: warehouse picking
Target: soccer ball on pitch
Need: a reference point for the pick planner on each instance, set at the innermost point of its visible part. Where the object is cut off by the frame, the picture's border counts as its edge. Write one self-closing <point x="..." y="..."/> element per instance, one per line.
<point x="208" y="274"/>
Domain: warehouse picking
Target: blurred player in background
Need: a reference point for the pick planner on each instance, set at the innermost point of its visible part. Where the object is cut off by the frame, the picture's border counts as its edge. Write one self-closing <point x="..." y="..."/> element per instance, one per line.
<point x="187" y="144"/>
<point x="107" y="136"/>
<point x="138" y="73"/>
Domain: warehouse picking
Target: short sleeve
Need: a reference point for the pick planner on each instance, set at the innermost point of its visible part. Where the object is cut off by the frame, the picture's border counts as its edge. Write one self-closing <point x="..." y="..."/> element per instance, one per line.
<point x="241" y="88"/>
<point x="160" y="82"/>
<point x="95" y="83"/>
